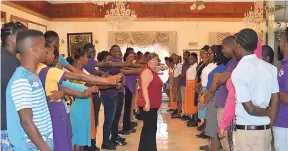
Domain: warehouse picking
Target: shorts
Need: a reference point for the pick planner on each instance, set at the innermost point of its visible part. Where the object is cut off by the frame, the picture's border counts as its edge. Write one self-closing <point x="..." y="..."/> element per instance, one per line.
<point x="177" y="95"/>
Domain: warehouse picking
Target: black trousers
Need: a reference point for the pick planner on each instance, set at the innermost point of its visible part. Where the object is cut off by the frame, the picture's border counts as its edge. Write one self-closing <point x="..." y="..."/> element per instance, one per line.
<point x="117" y="116"/>
<point x="127" y="110"/>
<point x="149" y="130"/>
<point x="97" y="105"/>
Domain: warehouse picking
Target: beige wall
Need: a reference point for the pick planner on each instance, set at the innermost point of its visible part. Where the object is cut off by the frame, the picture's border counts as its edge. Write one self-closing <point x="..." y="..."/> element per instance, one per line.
<point x="12" y="11"/>
<point x="188" y="31"/>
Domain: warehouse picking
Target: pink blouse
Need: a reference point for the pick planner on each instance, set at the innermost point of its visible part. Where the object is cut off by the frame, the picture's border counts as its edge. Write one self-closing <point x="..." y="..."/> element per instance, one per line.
<point x="229" y="109"/>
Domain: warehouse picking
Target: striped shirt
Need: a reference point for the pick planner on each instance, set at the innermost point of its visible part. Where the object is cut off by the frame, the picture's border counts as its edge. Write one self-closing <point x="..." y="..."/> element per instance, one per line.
<point x="25" y="91"/>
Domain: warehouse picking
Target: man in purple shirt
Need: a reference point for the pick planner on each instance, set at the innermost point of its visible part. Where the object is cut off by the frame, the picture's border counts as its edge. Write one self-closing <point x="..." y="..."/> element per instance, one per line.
<point x="219" y="80"/>
<point x="182" y="83"/>
<point x="281" y="124"/>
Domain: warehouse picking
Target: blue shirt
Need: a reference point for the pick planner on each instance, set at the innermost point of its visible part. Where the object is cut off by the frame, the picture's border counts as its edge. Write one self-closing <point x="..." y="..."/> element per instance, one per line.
<point x="254" y="80"/>
<point x="24" y="91"/>
<point x="63" y="61"/>
<point x="219" y="69"/>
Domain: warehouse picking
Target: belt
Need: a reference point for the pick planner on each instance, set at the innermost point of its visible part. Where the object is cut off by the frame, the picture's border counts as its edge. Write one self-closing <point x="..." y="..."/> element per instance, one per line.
<point x="252" y="127"/>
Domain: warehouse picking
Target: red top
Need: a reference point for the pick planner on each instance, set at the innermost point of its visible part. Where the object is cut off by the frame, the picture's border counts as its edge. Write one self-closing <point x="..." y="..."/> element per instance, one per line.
<point x="154" y="90"/>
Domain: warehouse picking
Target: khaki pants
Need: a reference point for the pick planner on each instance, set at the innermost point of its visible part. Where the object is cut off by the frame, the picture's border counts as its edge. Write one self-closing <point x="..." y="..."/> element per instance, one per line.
<point x="183" y="94"/>
<point x="224" y="141"/>
<point x="252" y="140"/>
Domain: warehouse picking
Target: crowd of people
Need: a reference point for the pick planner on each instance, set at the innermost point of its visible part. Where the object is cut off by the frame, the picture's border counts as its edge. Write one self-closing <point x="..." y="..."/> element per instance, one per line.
<point x="233" y="94"/>
<point x="34" y="111"/>
<point x="227" y="87"/>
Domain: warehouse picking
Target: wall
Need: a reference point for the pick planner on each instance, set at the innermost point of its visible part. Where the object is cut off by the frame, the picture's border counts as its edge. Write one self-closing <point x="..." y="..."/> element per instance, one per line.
<point x="188" y="31"/>
<point x="18" y="13"/>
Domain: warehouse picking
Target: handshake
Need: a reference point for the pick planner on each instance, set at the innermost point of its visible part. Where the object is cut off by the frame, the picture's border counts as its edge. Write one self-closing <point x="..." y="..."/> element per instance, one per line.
<point x="116" y="80"/>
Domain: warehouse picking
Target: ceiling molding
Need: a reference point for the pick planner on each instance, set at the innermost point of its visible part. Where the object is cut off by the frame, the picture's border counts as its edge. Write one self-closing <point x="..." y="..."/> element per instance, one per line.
<point x="149" y="19"/>
<point x="144" y="10"/>
<point x="30" y="9"/>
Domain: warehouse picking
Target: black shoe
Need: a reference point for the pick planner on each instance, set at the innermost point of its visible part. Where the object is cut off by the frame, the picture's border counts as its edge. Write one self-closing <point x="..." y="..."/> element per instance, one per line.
<point x="185" y="118"/>
<point x="121" y="138"/>
<point x="206" y="147"/>
<point x="108" y="147"/>
<point x="192" y="124"/>
<point x="120" y="143"/>
<point x="124" y="132"/>
<point x="174" y="112"/>
<point x="203" y="136"/>
<point x="132" y="131"/>
<point x="201" y="127"/>
<point x="97" y="149"/>
<point x="170" y="110"/>
<point x="176" y="116"/>
<point x="134" y="124"/>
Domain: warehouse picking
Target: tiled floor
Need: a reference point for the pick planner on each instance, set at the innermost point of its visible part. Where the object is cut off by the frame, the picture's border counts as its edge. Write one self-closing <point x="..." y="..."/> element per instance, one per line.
<point x="172" y="135"/>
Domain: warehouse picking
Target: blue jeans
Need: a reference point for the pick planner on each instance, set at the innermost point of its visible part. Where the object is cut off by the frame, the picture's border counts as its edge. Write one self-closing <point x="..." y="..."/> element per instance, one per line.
<point x="280" y="138"/>
<point x="110" y="106"/>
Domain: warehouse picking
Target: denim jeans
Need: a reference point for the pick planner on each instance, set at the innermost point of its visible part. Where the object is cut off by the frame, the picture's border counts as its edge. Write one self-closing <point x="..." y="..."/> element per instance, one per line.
<point x="280" y="138"/>
<point x="110" y="106"/>
<point x="119" y="107"/>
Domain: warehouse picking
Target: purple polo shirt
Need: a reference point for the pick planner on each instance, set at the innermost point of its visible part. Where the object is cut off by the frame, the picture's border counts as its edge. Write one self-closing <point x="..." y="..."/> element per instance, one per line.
<point x="282" y="118"/>
<point x="90" y="66"/>
<point x="110" y="91"/>
<point x="222" y="94"/>
<point x="130" y="82"/>
<point x="182" y="81"/>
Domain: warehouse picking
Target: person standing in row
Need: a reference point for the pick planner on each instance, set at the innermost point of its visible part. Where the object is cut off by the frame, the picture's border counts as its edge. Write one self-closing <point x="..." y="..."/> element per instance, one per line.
<point x="190" y="106"/>
<point x="281" y="124"/>
<point x="8" y="57"/>
<point x="28" y="119"/>
<point x="149" y="101"/>
<point x="253" y="90"/>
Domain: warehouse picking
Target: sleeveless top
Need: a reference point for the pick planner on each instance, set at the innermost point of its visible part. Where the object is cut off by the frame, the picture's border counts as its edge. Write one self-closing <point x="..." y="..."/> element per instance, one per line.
<point x="154" y="90"/>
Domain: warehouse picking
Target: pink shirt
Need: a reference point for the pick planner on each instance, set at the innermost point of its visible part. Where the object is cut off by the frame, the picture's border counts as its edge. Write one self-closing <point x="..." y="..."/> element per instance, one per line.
<point x="229" y="109"/>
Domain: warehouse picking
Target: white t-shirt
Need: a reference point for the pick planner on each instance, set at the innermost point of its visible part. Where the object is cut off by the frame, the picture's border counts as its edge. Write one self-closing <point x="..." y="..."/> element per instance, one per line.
<point x="177" y="70"/>
<point x="191" y="72"/>
<point x="205" y="73"/>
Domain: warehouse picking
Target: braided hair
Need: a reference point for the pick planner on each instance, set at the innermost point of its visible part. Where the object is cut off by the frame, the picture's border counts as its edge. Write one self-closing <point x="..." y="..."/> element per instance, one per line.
<point x="11" y="28"/>
<point x="247" y="38"/>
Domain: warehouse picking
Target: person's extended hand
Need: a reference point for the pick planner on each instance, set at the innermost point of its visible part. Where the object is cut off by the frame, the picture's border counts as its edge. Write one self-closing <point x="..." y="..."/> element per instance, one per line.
<point x="56" y="96"/>
<point x="119" y="85"/>
<point x="221" y="133"/>
<point x="93" y="89"/>
<point x="147" y="107"/>
<point x="202" y="99"/>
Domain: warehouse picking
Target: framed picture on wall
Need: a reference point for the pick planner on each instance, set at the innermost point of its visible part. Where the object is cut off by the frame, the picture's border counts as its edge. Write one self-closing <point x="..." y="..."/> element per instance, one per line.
<point x="21" y="20"/>
<point x="77" y="40"/>
<point x="197" y="51"/>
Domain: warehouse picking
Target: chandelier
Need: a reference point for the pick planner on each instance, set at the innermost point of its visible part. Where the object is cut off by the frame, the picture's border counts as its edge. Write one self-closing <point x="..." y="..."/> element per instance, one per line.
<point x="254" y="18"/>
<point x="120" y="16"/>
<point x="280" y="27"/>
<point x="199" y="5"/>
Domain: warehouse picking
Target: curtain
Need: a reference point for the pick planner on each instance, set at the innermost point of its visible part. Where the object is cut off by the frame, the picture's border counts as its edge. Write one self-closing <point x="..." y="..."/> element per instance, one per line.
<point x="215" y="38"/>
<point x="143" y="39"/>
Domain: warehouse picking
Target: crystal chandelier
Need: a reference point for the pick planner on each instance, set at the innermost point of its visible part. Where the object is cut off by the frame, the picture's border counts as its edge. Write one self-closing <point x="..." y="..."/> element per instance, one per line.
<point x="254" y="18"/>
<point x="199" y="5"/>
<point x="120" y="16"/>
<point x="280" y="27"/>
